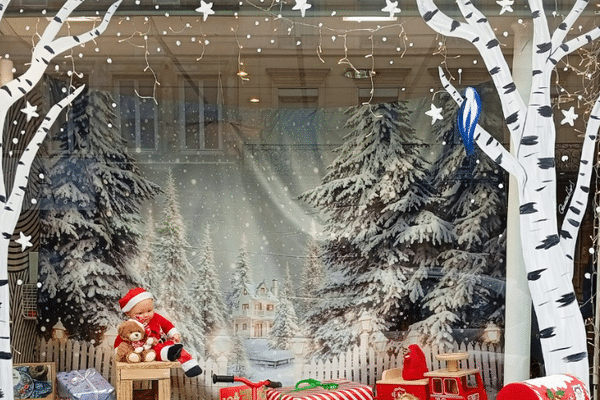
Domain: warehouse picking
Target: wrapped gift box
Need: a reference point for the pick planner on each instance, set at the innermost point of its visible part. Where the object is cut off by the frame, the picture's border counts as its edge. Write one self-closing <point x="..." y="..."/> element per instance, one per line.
<point x="345" y="390"/>
<point x="85" y="384"/>
<point x="242" y="392"/>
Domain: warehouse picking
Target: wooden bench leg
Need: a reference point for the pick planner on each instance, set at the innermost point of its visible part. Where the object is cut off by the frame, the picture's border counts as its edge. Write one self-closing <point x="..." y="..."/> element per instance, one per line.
<point x="125" y="390"/>
<point x="164" y="389"/>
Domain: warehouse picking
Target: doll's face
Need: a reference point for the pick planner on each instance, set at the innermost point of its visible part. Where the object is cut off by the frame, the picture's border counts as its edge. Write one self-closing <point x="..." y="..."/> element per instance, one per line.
<point x="142" y="311"/>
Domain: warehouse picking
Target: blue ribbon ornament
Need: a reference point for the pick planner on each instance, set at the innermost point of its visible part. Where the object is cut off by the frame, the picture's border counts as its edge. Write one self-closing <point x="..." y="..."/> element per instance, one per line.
<point x="467" y="118"/>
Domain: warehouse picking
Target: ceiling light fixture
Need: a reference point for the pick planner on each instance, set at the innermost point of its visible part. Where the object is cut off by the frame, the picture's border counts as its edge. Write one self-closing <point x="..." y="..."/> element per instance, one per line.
<point x="254" y="100"/>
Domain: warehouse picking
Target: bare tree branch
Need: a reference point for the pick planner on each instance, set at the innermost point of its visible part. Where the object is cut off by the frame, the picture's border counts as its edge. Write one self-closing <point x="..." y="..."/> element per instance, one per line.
<point x="24" y="166"/>
<point x="489" y="49"/>
<point x="563" y="29"/>
<point x="575" y="44"/>
<point x="45" y="50"/>
<point x="490" y="146"/>
<point x="578" y="203"/>
<point x="3" y="7"/>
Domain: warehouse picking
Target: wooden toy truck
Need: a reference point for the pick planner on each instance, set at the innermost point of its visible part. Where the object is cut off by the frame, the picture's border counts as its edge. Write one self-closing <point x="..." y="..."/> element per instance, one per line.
<point x="451" y="382"/>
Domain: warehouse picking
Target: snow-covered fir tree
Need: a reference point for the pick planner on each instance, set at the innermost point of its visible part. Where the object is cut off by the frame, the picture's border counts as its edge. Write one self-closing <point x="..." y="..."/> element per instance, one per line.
<point x="381" y="236"/>
<point x="145" y="263"/>
<point x="89" y="213"/>
<point x="285" y="326"/>
<point x="174" y="295"/>
<point x="313" y="274"/>
<point x="237" y="362"/>
<point x="241" y="280"/>
<point x="205" y="290"/>
<point x="466" y="294"/>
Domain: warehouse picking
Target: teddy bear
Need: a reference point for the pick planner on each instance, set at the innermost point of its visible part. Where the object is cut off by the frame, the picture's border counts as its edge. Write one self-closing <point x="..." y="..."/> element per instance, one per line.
<point x="135" y="347"/>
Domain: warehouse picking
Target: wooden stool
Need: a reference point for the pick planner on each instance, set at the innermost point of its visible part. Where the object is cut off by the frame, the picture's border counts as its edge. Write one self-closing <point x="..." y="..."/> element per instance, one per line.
<point x="159" y="371"/>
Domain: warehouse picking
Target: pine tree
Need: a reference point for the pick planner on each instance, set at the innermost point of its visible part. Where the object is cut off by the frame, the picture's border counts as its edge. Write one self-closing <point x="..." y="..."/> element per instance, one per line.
<point x="90" y="210"/>
<point x="241" y="280"/>
<point x="145" y="264"/>
<point x="476" y="206"/>
<point x="205" y="290"/>
<point x="381" y="236"/>
<point x="313" y="274"/>
<point x="285" y="326"/>
<point x="238" y="363"/>
<point x="174" y="297"/>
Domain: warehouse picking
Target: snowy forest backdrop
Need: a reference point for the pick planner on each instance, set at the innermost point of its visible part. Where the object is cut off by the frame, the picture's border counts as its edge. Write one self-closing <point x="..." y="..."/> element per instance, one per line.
<point x="369" y="211"/>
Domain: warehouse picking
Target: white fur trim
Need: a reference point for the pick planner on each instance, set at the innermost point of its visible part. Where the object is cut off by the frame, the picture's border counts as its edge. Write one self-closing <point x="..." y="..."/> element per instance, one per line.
<point x="189" y="364"/>
<point x="136" y="299"/>
<point x="172" y="332"/>
<point x="164" y="353"/>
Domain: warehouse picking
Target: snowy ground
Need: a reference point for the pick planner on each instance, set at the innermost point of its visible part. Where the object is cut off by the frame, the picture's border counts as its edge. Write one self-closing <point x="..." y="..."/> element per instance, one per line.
<point x="282" y="373"/>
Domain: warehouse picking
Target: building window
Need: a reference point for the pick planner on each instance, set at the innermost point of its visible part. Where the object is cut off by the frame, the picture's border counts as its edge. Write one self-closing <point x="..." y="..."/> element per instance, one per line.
<point x="298" y="98"/>
<point x="138" y="113"/>
<point x="201" y="115"/>
<point x="244" y="327"/>
<point x="245" y="306"/>
<point x="258" y="306"/>
<point x="378" y="95"/>
<point x="269" y="307"/>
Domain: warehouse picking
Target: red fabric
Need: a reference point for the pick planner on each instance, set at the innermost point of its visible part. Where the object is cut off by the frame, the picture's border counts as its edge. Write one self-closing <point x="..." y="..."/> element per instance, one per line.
<point x="124" y="301"/>
<point x="415" y="364"/>
<point x="158" y="327"/>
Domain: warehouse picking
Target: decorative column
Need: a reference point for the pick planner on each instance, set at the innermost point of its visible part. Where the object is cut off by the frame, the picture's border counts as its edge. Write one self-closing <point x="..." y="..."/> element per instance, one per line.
<point x="517" y="328"/>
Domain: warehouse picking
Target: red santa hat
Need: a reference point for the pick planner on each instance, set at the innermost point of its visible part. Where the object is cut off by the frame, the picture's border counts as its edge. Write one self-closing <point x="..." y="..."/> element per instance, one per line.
<point x="133" y="297"/>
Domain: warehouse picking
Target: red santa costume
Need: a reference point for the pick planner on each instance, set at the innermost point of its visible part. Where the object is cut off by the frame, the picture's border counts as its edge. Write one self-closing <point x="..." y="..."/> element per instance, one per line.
<point x="162" y="330"/>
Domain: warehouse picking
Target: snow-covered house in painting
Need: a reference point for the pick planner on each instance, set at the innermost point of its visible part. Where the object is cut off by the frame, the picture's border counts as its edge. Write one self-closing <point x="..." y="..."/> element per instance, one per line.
<point x="254" y="314"/>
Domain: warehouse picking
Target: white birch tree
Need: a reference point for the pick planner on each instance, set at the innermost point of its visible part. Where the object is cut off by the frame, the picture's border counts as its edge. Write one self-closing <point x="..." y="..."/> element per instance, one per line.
<point x="43" y="52"/>
<point x="548" y="248"/>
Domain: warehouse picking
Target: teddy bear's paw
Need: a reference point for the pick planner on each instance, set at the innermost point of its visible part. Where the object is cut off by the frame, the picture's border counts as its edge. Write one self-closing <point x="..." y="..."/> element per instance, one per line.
<point x="151" y="356"/>
<point x="134" y="358"/>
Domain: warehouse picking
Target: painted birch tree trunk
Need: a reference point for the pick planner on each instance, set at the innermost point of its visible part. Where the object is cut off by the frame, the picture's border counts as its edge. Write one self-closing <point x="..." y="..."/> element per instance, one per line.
<point x="11" y="199"/>
<point x="548" y="248"/>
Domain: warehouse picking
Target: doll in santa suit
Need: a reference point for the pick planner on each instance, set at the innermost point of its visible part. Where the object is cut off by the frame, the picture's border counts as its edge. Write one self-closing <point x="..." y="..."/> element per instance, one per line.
<point x="138" y="304"/>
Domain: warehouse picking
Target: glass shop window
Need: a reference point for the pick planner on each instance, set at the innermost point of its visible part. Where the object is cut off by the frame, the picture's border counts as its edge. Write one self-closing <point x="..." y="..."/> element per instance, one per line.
<point x="378" y="95"/>
<point x="138" y="113"/>
<point x="298" y="98"/>
<point x="201" y="115"/>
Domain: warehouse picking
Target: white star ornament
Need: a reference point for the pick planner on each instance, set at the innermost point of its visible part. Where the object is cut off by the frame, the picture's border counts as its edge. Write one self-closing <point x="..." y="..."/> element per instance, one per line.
<point x="391" y="7"/>
<point x="30" y="111"/>
<point x="570" y="117"/>
<point x="302" y="5"/>
<point x="435" y="113"/>
<point x="205" y="8"/>
<point x="506" y="5"/>
<point x="24" y="241"/>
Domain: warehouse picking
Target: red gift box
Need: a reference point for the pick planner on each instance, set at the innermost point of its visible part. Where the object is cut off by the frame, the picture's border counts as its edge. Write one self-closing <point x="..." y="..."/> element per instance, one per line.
<point x="559" y="386"/>
<point x="346" y="390"/>
<point x="241" y="392"/>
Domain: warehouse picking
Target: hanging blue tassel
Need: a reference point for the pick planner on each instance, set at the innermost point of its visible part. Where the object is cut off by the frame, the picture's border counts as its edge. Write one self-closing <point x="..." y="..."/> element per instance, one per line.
<point x="468" y="115"/>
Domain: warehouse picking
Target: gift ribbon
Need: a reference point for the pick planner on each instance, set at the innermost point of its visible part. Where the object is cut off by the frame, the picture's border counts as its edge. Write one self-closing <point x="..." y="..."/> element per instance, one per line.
<point x="85" y="378"/>
<point x="313" y="383"/>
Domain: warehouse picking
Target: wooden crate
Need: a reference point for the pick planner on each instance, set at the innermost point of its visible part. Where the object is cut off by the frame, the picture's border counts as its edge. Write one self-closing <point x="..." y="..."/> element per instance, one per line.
<point x="51" y="377"/>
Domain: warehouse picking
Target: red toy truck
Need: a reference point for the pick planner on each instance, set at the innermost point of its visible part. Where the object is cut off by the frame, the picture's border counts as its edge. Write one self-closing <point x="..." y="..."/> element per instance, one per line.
<point x="451" y="383"/>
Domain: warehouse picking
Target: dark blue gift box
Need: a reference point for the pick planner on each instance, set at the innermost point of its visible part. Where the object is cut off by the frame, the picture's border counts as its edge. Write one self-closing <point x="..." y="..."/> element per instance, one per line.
<point x="85" y="384"/>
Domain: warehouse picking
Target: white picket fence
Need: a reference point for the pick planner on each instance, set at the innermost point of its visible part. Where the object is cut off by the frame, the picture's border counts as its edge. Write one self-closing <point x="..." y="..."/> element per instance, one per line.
<point x="360" y="364"/>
